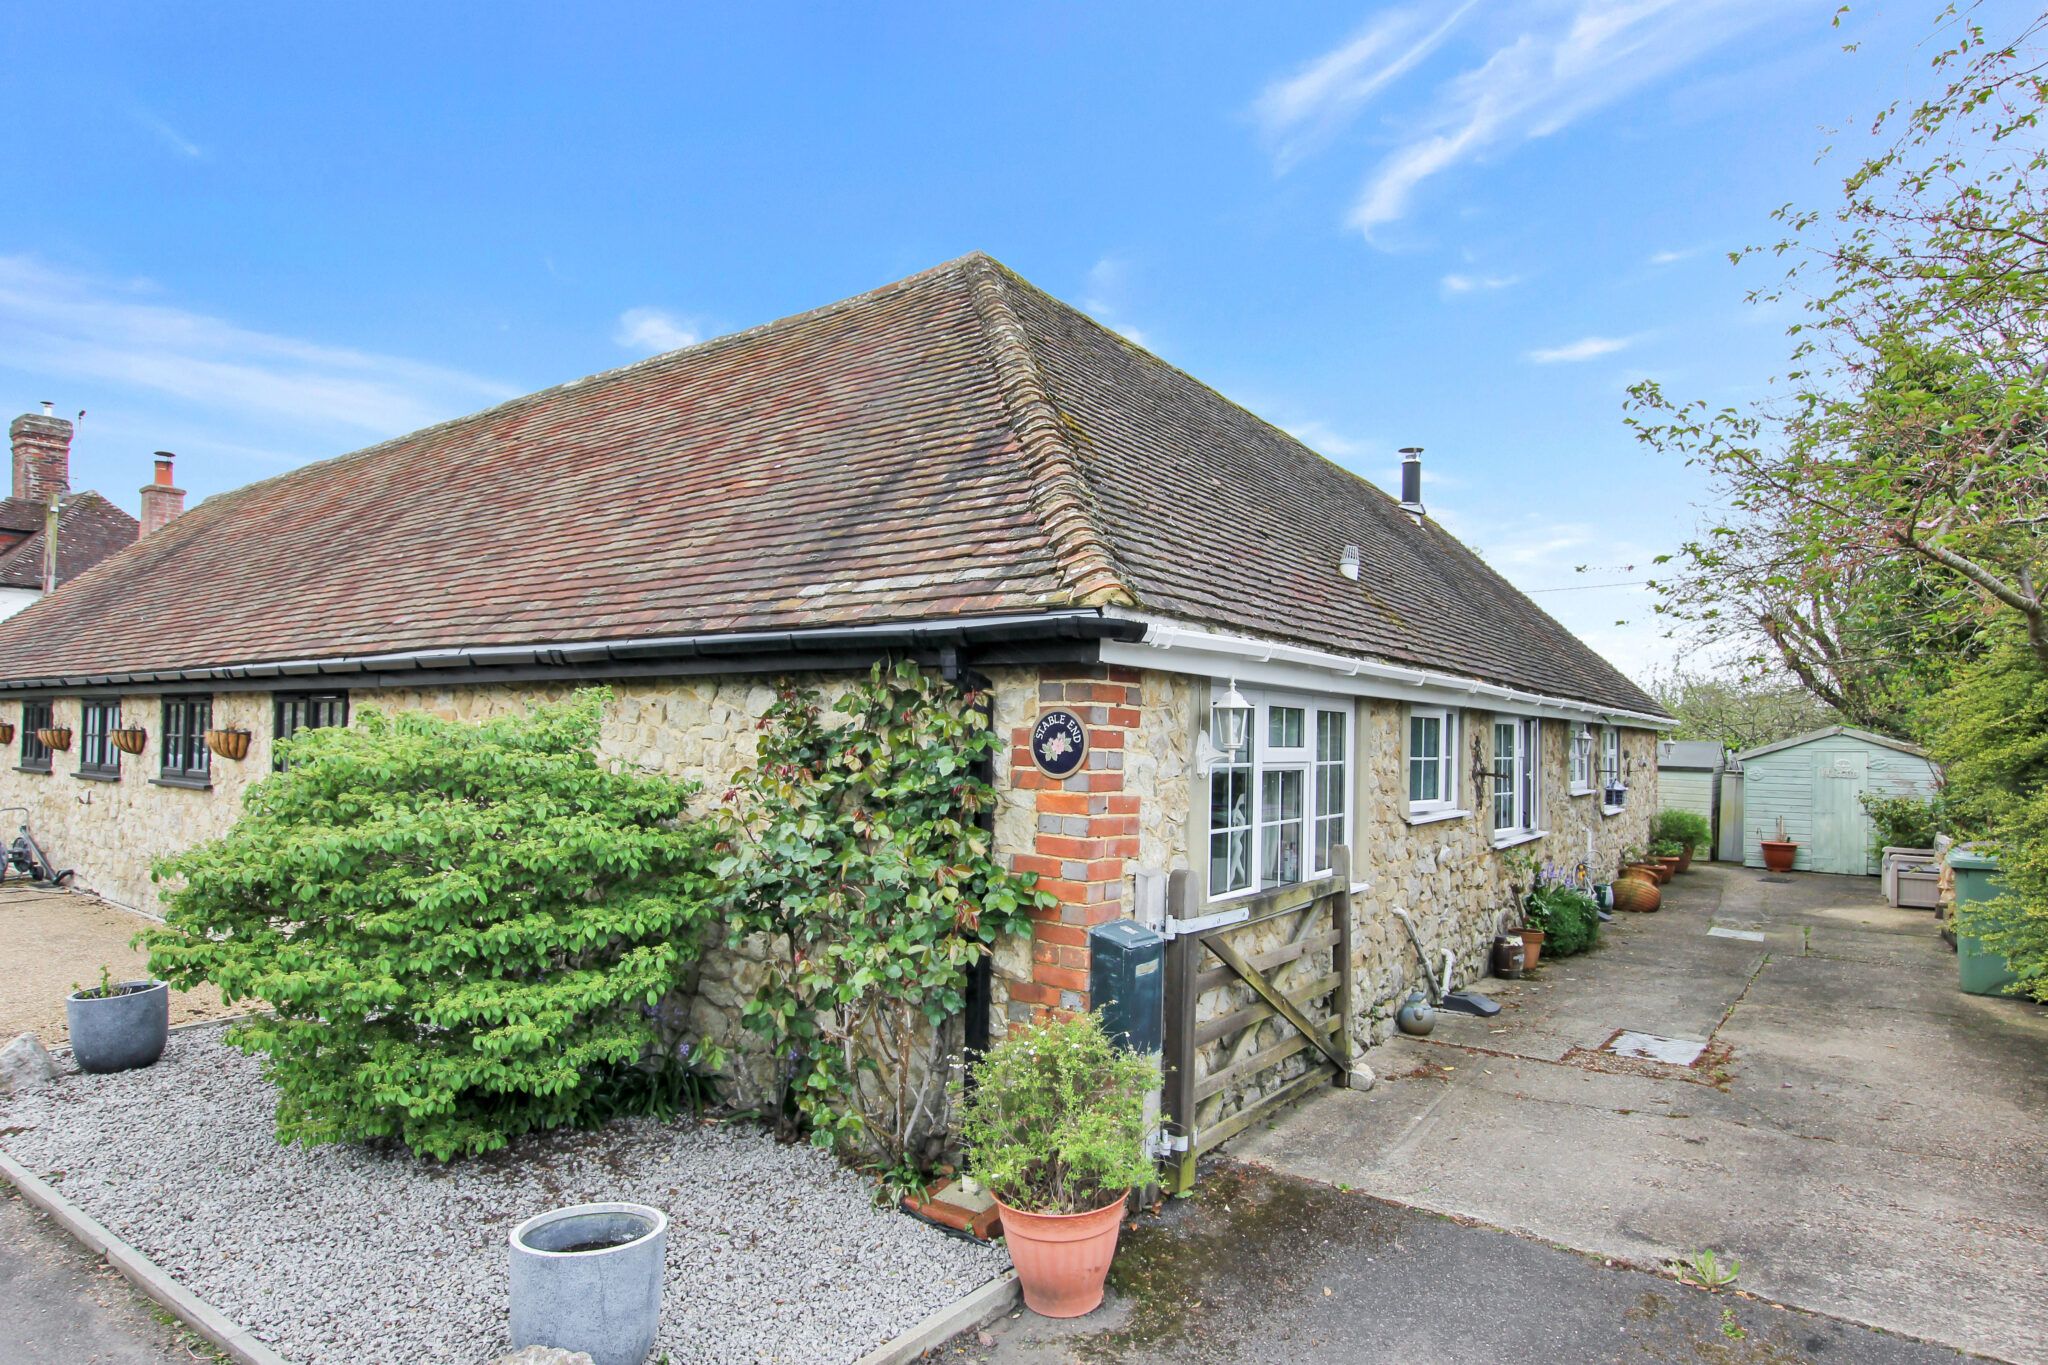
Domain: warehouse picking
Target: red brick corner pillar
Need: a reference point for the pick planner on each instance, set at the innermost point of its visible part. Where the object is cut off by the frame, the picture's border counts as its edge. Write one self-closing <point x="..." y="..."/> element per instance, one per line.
<point x="1087" y="830"/>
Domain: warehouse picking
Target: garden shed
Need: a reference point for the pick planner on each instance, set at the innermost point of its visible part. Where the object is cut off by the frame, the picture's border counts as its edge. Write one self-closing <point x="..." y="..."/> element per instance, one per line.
<point x="1689" y="779"/>
<point x="1813" y="783"/>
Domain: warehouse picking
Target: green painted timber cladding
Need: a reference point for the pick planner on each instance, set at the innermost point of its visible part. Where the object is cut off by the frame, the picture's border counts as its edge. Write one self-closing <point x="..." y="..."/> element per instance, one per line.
<point x="1686" y="789"/>
<point x="1814" y="788"/>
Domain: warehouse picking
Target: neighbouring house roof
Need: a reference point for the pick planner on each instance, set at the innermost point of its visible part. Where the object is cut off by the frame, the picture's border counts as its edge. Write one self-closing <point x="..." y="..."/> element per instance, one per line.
<point x="1829" y="732"/>
<point x="89" y="528"/>
<point x="1702" y="754"/>
<point x="953" y="444"/>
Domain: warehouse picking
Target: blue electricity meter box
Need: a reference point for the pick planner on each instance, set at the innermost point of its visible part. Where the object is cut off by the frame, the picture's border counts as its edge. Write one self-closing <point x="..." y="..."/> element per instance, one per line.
<point x="1127" y="982"/>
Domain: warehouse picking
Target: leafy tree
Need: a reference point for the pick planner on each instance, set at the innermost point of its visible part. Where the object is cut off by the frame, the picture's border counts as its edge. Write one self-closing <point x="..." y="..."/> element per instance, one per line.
<point x="1736" y="710"/>
<point x="462" y="930"/>
<point x="1894" y="499"/>
<point x="855" y="846"/>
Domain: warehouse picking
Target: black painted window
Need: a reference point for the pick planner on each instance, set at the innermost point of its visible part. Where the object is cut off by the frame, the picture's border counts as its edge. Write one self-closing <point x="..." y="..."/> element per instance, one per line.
<point x="35" y="715"/>
<point x="185" y="755"/>
<point x="97" y="721"/>
<point x="308" y="711"/>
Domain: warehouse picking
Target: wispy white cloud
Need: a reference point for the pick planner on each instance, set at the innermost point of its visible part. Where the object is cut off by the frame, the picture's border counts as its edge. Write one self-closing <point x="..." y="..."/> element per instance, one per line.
<point x="1299" y="113"/>
<point x="1102" y="298"/>
<point x="87" y="333"/>
<point x="1478" y="284"/>
<point x="650" y="331"/>
<point x="169" y="136"/>
<point x="1672" y="257"/>
<point x="1585" y="348"/>
<point x="1540" y="66"/>
<point x="1327" y="440"/>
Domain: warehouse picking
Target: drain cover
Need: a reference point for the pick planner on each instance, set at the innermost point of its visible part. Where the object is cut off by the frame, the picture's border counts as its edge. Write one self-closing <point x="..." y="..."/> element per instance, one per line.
<point x="1651" y="1048"/>
<point x="1722" y="931"/>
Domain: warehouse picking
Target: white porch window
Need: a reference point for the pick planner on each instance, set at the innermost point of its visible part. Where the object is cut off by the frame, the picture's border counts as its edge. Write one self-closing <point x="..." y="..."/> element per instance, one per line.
<point x="1432" y="761"/>
<point x="1279" y="805"/>
<point x="1612" y="793"/>
<point x="1517" y="758"/>
<point x="1579" y="744"/>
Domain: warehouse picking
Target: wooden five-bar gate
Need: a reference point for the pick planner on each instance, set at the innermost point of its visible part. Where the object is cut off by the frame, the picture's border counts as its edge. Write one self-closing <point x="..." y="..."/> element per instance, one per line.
<point x="1258" y="1004"/>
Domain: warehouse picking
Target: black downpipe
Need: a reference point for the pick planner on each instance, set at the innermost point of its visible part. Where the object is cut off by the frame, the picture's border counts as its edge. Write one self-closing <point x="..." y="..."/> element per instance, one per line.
<point x="981" y="976"/>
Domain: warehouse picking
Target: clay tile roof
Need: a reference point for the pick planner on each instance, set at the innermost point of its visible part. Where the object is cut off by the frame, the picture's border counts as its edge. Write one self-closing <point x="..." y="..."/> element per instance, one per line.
<point x="953" y="444"/>
<point x="89" y="528"/>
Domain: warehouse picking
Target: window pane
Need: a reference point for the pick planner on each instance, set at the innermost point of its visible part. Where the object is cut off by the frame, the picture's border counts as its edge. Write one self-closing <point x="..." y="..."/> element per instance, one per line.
<point x="1425" y="776"/>
<point x="1504" y="774"/>
<point x="1230" y="829"/>
<point x="1280" y="834"/>
<point x="1284" y="727"/>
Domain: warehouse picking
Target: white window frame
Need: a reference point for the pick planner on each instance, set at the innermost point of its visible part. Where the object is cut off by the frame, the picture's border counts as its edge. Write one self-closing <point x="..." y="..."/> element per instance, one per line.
<point x="1579" y="779"/>
<point x="1261" y="758"/>
<point x="1610" y="768"/>
<point x="1444" y="806"/>
<point x="1520" y="785"/>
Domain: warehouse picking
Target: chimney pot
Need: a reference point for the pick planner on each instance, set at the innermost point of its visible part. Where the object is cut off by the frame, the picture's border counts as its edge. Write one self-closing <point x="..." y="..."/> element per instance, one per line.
<point x="1411" y="482"/>
<point x="49" y="408"/>
<point x="161" y="503"/>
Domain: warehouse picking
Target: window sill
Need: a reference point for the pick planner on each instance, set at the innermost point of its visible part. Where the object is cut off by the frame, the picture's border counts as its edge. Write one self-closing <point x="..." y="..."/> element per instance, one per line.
<point x="1430" y="817"/>
<point x="1583" y="791"/>
<point x="1515" y="838"/>
<point x="83" y="775"/>
<point x="1612" y="810"/>
<point x="190" y="784"/>
<point x="32" y="768"/>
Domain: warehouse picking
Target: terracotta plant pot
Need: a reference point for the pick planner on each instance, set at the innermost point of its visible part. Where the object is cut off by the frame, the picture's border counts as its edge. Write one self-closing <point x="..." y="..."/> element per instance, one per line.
<point x="56" y="739"/>
<point x="1532" y="947"/>
<point x="129" y="739"/>
<point x="228" y="743"/>
<point x="1637" y="895"/>
<point x="1062" y="1258"/>
<point x="1670" y="867"/>
<point x="1779" y="853"/>
<point x="1685" y="859"/>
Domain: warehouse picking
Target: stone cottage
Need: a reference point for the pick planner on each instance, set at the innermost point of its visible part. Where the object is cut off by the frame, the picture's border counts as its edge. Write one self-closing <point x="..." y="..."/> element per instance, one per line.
<point x="958" y="468"/>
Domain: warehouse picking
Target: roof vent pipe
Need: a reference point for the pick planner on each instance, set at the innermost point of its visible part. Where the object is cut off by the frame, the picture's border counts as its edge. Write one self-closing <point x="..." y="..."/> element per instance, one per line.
<point x="1348" y="564"/>
<point x="1411" y="482"/>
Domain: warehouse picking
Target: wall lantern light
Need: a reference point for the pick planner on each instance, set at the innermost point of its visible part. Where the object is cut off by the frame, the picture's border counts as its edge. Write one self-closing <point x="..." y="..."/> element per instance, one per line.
<point x="1582" y="748"/>
<point x="1230" y="724"/>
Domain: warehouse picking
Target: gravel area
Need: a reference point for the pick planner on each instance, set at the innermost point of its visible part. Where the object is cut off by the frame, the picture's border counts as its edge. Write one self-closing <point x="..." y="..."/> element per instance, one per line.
<point x="342" y="1254"/>
<point x="52" y="942"/>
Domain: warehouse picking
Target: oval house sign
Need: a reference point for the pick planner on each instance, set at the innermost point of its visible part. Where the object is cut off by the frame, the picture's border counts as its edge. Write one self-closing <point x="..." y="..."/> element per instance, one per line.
<point x="1059" y="743"/>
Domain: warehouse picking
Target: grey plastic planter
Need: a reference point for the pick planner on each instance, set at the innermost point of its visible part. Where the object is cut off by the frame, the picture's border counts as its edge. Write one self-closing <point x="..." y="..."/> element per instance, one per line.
<point x="606" y="1300"/>
<point x="121" y="1031"/>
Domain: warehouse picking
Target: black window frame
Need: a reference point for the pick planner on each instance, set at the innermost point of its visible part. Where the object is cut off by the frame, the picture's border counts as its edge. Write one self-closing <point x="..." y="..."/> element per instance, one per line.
<point x="35" y="755"/>
<point x="292" y="712"/>
<point x="98" y="718"/>
<point x="184" y="759"/>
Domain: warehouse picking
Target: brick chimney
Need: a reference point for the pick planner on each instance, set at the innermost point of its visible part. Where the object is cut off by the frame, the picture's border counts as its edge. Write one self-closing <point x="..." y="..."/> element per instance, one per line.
<point x="42" y="454"/>
<point x="161" y="503"/>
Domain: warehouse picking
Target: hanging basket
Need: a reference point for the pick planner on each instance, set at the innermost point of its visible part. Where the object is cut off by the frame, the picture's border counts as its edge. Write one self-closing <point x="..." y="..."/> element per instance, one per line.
<point x="229" y="743"/>
<point x="6" y="732"/>
<point x="129" y="739"/>
<point x="55" y="738"/>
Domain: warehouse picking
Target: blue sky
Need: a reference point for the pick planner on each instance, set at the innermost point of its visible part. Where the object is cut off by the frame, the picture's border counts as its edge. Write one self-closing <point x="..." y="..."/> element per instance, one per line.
<point x="258" y="235"/>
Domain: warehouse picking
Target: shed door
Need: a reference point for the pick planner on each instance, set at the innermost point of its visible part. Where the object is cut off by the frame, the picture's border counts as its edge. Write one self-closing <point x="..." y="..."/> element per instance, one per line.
<point x="1841" y="830"/>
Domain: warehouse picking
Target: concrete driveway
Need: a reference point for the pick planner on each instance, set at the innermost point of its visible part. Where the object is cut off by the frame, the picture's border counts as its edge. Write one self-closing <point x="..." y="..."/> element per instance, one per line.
<point x="1868" y="1141"/>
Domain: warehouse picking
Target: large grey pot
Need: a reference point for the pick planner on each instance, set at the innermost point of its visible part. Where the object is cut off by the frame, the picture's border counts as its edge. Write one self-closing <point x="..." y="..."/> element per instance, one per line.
<point x="605" y="1302"/>
<point x="122" y="1031"/>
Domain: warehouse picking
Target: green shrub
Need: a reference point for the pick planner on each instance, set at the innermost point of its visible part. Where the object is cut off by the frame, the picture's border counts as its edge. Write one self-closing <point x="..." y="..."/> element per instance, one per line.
<point x="1568" y="917"/>
<point x="1686" y="828"/>
<point x="1055" y="1122"/>
<point x="1666" y="848"/>
<point x="1900" y="821"/>
<point x="855" y="845"/>
<point x="462" y="930"/>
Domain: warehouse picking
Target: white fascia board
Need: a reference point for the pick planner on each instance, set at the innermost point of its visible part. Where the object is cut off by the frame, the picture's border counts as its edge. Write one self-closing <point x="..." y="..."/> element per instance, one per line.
<point x="1171" y="647"/>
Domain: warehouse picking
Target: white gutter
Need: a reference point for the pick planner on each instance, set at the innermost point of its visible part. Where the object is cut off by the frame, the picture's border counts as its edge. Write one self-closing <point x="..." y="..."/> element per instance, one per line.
<point x="1174" y="648"/>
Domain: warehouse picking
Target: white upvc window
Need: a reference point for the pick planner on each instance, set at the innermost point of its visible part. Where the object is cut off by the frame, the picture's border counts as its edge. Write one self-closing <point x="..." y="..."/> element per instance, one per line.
<point x="1612" y="793"/>
<point x="1432" y="761"/>
<point x="1579" y="743"/>
<point x="1517" y="785"/>
<point x="1280" y="804"/>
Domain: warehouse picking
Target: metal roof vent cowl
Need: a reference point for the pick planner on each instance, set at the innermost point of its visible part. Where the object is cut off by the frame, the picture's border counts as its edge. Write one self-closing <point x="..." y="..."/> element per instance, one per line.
<point x="1348" y="563"/>
<point x="1411" y="482"/>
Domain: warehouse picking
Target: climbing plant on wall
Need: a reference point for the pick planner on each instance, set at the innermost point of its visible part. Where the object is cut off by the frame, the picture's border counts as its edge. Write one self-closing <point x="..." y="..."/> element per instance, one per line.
<point x="854" y="843"/>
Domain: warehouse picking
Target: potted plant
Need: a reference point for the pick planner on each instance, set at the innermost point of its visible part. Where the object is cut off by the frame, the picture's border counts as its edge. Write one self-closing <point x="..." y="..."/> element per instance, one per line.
<point x="1780" y="852"/>
<point x="129" y="739"/>
<point x="118" y="1025"/>
<point x="55" y="738"/>
<point x="1055" y="1130"/>
<point x="233" y="743"/>
<point x="1667" y="856"/>
<point x="589" y="1278"/>
<point x="1688" y="829"/>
